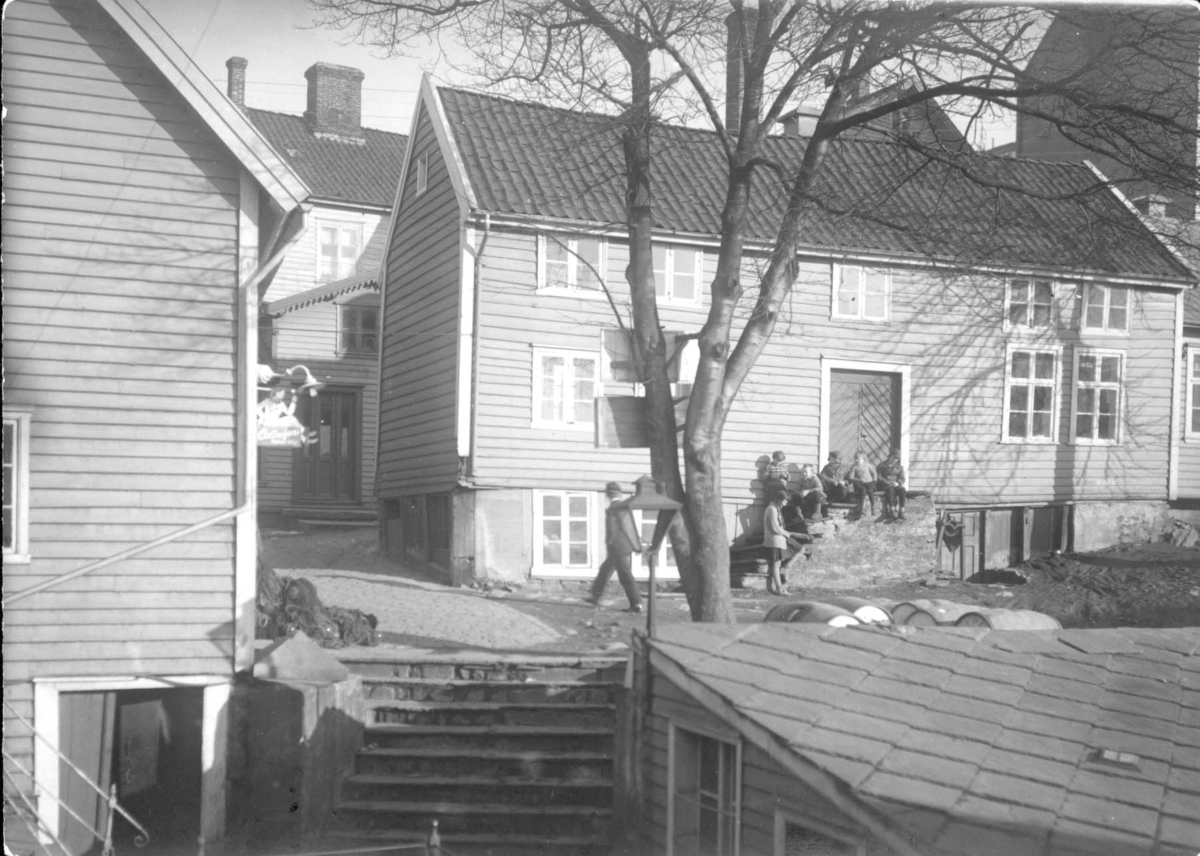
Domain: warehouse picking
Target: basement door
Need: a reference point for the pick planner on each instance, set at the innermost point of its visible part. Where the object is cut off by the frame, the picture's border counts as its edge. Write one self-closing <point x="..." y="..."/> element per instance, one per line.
<point x="864" y="413"/>
<point x="327" y="470"/>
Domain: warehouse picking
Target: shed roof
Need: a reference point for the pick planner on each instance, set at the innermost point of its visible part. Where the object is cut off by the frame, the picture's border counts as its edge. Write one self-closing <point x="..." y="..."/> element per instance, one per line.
<point x="368" y="281"/>
<point x="337" y="170"/>
<point x="530" y="160"/>
<point x="970" y="740"/>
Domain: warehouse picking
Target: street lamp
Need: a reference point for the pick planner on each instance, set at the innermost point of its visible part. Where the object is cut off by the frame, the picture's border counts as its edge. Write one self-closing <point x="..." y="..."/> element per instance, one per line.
<point x="650" y="498"/>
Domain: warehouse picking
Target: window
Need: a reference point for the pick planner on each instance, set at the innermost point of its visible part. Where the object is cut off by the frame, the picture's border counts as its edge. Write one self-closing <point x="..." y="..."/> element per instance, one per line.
<point x="564" y="522"/>
<point x="705" y="810"/>
<point x="677" y="273"/>
<point x="338" y="249"/>
<point x="422" y="173"/>
<point x="860" y="292"/>
<point x="1097" y="410"/>
<point x="571" y="264"/>
<point x="358" y="329"/>
<point x="16" y="483"/>
<point x="1105" y="308"/>
<point x="1192" y="411"/>
<point x="619" y="366"/>
<point x="1030" y="303"/>
<point x="437" y="510"/>
<point x="564" y="388"/>
<point x="1031" y="381"/>
<point x="810" y="836"/>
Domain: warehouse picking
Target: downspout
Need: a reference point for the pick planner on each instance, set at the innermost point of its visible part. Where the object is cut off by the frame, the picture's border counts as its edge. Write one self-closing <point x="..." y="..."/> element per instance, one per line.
<point x="476" y="311"/>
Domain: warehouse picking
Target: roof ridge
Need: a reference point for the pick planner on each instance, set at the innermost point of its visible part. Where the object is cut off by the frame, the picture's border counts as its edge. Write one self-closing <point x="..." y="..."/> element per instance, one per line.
<point x="301" y="118"/>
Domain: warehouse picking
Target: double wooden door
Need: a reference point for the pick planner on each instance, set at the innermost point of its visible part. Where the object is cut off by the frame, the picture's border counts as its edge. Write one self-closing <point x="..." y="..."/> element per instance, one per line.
<point x="327" y="470"/>
<point x="864" y="413"/>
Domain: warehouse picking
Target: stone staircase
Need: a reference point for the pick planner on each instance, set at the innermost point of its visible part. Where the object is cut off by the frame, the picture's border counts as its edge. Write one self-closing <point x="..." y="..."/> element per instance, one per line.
<point x="510" y="754"/>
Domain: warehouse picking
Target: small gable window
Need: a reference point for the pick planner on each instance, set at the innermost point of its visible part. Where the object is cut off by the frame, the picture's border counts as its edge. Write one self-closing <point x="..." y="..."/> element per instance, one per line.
<point x="571" y="264"/>
<point x="1097" y="410"/>
<point x="677" y="273"/>
<point x="338" y="249"/>
<point x="1030" y="303"/>
<point x="1105" y="309"/>
<point x="861" y="292"/>
<point x="358" y="329"/>
<point x="422" y="173"/>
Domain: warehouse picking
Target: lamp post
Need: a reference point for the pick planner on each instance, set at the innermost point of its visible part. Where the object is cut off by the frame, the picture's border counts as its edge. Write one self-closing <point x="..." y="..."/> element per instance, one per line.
<point x="650" y="498"/>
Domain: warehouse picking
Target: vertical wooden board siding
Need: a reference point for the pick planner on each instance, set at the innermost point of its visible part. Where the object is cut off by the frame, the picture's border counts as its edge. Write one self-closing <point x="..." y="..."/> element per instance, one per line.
<point x="121" y="272"/>
<point x="417" y="409"/>
<point x="298" y="270"/>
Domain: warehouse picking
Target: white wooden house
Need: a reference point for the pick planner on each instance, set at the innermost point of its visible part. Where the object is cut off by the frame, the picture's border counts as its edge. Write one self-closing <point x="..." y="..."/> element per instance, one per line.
<point x="143" y="211"/>
<point x="1038" y="381"/>
<point x="321" y="309"/>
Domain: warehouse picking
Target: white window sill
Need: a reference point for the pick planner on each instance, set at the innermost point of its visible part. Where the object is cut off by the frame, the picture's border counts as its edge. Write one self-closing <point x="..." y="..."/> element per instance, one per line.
<point x="586" y="293"/>
<point x="836" y="317"/>
<point x="1076" y="441"/>
<point x="577" y="427"/>
<point x="17" y="558"/>
<point x="1028" y="441"/>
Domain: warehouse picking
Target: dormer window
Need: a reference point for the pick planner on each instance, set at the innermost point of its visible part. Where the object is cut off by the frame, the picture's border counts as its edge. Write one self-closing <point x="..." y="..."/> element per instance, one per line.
<point x="571" y="264"/>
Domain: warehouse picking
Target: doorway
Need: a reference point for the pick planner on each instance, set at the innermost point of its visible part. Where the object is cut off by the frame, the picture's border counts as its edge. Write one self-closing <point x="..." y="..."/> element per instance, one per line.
<point x="864" y="413"/>
<point x="327" y="470"/>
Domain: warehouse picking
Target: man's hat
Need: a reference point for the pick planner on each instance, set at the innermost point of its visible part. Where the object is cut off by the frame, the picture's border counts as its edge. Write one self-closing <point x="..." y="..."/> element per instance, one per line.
<point x="835" y="456"/>
<point x="613" y="487"/>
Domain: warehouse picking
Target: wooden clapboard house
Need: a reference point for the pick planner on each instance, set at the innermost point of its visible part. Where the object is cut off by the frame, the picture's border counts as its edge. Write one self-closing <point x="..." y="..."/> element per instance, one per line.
<point x="143" y="212"/>
<point x="321" y="309"/>
<point x="1040" y="381"/>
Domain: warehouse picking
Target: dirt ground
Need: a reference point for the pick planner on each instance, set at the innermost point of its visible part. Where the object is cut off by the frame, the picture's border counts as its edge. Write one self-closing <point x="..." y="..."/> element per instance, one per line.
<point x="1146" y="585"/>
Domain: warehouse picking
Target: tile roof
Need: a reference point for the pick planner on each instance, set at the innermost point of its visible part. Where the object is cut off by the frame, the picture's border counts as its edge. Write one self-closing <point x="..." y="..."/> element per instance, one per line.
<point x="530" y="160"/>
<point x="976" y="740"/>
<point x="336" y="170"/>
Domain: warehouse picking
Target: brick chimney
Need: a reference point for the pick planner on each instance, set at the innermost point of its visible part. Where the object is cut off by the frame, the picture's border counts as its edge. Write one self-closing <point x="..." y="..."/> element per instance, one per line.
<point x="335" y="102"/>
<point x="235" y="85"/>
<point x="733" y="66"/>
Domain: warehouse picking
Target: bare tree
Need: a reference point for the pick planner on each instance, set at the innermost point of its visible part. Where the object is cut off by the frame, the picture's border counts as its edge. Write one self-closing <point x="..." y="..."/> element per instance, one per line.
<point x="870" y="68"/>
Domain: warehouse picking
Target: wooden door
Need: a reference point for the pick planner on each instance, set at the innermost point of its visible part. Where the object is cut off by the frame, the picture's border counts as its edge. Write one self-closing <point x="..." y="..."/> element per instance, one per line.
<point x="86" y="722"/>
<point x="864" y="413"/>
<point x="327" y="469"/>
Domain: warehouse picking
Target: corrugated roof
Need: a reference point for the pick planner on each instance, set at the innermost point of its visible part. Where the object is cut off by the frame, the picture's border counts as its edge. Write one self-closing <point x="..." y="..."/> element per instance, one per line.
<point x="873" y="197"/>
<point x="328" y="291"/>
<point x="337" y="170"/>
<point x="970" y="740"/>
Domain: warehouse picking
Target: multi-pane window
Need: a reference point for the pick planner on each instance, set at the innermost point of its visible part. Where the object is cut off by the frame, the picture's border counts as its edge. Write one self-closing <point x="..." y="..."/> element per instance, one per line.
<point x="575" y="264"/>
<point x="358" y="329"/>
<point x="338" y="248"/>
<point x="1030" y="303"/>
<point x="704" y="798"/>
<point x="1098" y="379"/>
<point x="16" y="484"/>
<point x="564" y="388"/>
<point x="677" y="273"/>
<point x="564" y="524"/>
<point x="1192" y="431"/>
<point x="860" y="292"/>
<point x="1031" y="389"/>
<point x="1105" y="308"/>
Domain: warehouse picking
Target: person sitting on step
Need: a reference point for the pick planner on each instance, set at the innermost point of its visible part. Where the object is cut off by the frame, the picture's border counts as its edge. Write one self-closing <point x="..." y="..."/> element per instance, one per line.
<point x="892" y="479"/>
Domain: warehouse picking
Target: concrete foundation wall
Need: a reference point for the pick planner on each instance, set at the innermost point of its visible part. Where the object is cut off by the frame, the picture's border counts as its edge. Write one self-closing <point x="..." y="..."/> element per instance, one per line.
<point x="1098" y="525"/>
<point x="502" y="523"/>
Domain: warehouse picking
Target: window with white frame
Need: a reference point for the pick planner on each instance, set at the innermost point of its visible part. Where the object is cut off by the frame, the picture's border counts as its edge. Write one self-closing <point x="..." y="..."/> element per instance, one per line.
<point x="338" y="249"/>
<point x="1030" y="303"/>
<point x="1192" y="411"/>
<point x="572" y="264"/>
<point x="678" y="272"/>
<point x="564" y="525"/>
<point x="705" y="794"/>
<point x="358" y="329"/>
<point x="1096" y="414"/>
<point x="564" y="388"/>
<point x="1031" y="380"/>
<point x="422" y="173"/>
<point x="16" y="483"/>
<point x="1105" y="308"/>
<point x="861" y="292"/>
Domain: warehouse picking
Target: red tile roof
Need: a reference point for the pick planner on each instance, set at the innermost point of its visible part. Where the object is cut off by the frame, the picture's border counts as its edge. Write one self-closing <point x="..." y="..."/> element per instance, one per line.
<point x="970" y="740"/>
<point x="336" y="170"/>
<point x="531" y="160"/>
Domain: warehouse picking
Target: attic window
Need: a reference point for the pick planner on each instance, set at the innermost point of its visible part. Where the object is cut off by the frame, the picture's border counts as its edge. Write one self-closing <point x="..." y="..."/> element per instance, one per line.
<point x="422" y="173"/>
<point x="1113" y="758"/>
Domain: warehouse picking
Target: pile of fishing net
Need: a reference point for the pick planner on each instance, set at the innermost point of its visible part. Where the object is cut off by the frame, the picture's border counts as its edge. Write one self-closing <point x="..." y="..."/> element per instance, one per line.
<point x="286" y="605"/>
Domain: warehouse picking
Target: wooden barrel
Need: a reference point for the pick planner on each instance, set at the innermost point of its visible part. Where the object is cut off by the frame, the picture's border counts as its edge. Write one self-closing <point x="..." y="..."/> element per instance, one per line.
<point x="1009" y="619"/>
<point x="866" y="611"/>
<point x="930" y="613"/>
<point x="811" y="612"/>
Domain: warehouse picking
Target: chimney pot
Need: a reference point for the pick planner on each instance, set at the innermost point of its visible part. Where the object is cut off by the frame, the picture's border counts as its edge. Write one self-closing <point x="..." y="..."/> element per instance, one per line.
<point x="235" y="85"/>
<point x="334" y="101"/>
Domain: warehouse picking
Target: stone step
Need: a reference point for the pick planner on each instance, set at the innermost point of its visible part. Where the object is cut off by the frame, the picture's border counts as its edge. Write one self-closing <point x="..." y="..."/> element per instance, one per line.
<point x="477" y="818"/>
<point x="419" y="761"/>
<point x="484" y="713"/>
<point x="512" y="692"/>
<point x="510" y="738"/>
<point x="509" y="790"/>
<point x="469" y="844"/>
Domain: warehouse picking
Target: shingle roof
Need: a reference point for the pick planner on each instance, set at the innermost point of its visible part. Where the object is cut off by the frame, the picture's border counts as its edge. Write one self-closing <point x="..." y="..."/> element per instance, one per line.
<point x="970" y="740"/>
<point x="336" y="170"/>
<point x="531" y="160"/>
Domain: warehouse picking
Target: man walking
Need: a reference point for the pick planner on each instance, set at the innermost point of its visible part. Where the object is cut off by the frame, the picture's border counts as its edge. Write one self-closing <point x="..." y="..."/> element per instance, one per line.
<point x="621" y="540"/>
